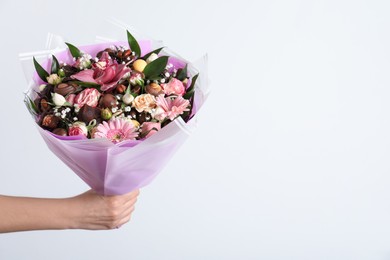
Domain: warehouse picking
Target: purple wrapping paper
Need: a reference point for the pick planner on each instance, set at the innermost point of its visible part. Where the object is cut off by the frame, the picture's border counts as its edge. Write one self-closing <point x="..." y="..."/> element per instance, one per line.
<point x="112" y="169"/>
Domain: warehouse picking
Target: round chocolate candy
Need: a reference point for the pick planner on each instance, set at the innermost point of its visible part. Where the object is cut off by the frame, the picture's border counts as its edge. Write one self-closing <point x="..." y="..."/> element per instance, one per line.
<point x="50" y="121"/>
<point x="88" y="113"/>
<point x="139" y="65"/>
<point x="154" y="89"/>
<point x="108" y="101"/>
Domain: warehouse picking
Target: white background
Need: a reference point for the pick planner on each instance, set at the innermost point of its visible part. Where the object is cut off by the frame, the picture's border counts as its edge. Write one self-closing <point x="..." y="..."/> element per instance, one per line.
<point x="291" y="156"/>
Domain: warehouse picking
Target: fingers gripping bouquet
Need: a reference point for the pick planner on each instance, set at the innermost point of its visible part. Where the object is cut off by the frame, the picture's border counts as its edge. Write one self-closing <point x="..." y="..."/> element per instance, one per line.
<point x="114" y="112"/>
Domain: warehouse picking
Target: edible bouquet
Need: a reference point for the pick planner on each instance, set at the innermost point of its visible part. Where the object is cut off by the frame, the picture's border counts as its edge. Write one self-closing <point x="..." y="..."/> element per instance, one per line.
<point x="114" y="112"/>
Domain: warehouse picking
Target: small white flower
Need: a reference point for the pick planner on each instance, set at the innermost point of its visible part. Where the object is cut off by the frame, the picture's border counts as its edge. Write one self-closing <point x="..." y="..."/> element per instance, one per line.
<point x="63" y="116"/>
<point x="114" y="109"/>
<point x="167" y="74"/>
<point x="151" y="58"/>
<point x="58" y="99"/>
<point x="84" y="61"/>
<point x="57" y="114"/>
<point x="162" y="80"/>
<point x="75" y="119"/>
<point x="127" y="99"/>
<point x="127" y="109"/>
<point x="54" y="79"/>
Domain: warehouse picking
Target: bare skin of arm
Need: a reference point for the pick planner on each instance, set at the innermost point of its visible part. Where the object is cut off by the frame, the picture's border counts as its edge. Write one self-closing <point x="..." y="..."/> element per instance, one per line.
<point x="85" y="211"/>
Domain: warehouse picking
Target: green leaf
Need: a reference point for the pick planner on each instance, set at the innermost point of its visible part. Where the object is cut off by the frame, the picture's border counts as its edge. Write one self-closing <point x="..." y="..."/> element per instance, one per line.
<point x="76" y="53"/>
<point x="133" y="44"/>
<point x="156" y="67"/>
<point x="55" y="66"/>
<point x="191" y="89"/>
<point x="42" y="73"/>
<point x="156" y="51"/>
<point x="31" y="105"/>
<point x="182" y="73"/>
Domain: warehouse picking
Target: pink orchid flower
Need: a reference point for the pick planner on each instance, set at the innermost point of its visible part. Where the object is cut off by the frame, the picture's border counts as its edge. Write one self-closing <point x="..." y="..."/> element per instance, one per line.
<point x="105" y="72"/>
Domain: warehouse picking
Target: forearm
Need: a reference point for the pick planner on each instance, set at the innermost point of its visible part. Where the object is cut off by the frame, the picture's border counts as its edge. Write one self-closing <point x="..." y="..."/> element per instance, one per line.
<point x="21" y="214"/>
<point x="85" y="211"/>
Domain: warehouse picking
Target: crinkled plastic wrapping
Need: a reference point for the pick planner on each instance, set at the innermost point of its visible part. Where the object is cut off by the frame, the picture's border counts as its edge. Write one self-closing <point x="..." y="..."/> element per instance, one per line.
<point x="108" y="168"/>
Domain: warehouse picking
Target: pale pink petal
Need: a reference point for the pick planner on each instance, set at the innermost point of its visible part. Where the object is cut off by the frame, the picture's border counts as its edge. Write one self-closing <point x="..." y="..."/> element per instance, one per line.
<point x="85" y="76"/>
<point x="120" y="71"/>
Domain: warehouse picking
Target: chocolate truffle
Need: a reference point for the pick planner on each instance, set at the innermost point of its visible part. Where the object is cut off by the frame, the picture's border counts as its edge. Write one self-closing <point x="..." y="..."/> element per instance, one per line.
<point x="108" y="101"/>
<point x="88" y="113"/>
<point x="64" y="89"/>
<point x="50" y="121"/>
<point x="42" y="104"/>
<point x="154" y="89"/>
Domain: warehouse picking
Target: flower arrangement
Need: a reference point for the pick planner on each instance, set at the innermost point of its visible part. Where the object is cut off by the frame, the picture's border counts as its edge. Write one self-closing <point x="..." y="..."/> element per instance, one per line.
<point x="114" y="112"/>
<point x="119" y="95"/>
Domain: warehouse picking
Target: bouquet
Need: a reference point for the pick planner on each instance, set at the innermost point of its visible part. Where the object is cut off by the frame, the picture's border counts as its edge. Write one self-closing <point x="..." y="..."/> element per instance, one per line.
<point x="114" y="112"/>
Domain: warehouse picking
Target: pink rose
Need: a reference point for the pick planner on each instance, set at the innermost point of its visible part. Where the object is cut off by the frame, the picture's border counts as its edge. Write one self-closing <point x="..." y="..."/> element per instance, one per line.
<point x="89" y="96"/>
<point x="78" y="128"/>
<point x="150" y="128"/>
<point x="144" y="102"/>
<point x="70" y="99"/>
<point x="174" y="86"/>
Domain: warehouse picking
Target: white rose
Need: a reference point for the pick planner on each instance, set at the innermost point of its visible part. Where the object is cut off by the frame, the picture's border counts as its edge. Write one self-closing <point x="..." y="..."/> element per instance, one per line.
<point x="127" y="99"/>
<point x="151" y="58"/>
<point x="54" y="79"/>
<point x="58" y="99"/>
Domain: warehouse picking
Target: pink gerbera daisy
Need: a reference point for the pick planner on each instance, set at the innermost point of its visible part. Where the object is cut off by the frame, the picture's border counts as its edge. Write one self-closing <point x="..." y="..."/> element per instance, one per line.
<point x="116" y="130"/>
<point x="171" y="107"/>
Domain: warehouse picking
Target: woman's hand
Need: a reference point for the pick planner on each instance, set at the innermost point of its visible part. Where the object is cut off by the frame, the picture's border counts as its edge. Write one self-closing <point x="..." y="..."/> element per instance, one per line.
<point x="92" y="211"/>
<point x="86" y="211"/>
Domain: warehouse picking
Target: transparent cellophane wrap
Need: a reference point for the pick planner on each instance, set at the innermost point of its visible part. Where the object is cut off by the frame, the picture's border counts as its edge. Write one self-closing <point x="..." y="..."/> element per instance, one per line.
<point x="109" y="168"/>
